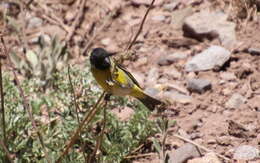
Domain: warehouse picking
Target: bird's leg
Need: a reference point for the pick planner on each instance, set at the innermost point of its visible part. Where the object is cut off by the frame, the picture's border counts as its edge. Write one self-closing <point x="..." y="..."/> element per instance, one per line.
<point x="107" y="97"/>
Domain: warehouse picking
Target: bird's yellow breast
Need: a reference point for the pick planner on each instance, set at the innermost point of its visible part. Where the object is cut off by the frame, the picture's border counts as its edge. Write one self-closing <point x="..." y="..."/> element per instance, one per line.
<point x="117" y="83"/>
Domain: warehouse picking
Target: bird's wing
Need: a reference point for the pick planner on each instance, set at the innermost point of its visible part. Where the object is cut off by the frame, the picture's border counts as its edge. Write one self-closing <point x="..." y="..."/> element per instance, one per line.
<point x="128" y="74"/>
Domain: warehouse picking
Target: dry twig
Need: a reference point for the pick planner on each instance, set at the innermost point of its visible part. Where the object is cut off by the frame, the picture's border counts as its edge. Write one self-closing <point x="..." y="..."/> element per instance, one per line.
<point x="2" y="110"/>
<point x="100" y="138"/>
<point x="141" y="26"/>
<point x="85" y="122"/>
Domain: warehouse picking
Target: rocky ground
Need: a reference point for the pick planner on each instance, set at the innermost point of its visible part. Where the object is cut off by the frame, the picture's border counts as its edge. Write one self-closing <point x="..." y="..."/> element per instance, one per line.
<point x="203" y="57"/>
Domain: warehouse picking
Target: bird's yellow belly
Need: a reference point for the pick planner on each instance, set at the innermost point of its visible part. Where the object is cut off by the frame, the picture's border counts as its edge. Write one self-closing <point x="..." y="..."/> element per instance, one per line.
<point x="103" y="77"/>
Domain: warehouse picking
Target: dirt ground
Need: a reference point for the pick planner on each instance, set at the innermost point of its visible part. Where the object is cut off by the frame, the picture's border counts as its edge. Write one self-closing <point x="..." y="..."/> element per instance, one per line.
<point x="206" y="119"/>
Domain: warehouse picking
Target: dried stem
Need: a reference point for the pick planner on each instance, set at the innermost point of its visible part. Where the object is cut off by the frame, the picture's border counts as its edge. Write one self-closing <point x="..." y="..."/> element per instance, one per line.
<point x="2" y="99"/>
<point x="100" y="138"/>
<point x="74" y="101"/>
<point x="141" y="26"/>
<point x="85" y="122"/>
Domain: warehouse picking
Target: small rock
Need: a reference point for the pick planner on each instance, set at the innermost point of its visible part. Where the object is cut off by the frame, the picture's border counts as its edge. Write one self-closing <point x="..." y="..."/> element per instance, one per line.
<point x="208" y="158"/>
<point x="198" y="85"/>
<point x="211" y="141"/>
<point x="254" y="51"/>
<point x="182" y="154"/>
<point x="158" y="18"/>
<point x="228" y="76"/>
<point x="173" y="73"/>
<point x="35" y="22"/>
<point x="141" y="61"/>
<point x="171" y="58"/>
<point x="70" y="15"/>
<point x="246" y="152"/>
<point x="106" y="41"/>
<point x="171" y="6"/>
<point x="224" y="140"/>
<point x="174" y="96"/>
<point x="235" y="101"/>
<point x="212" y="58"/>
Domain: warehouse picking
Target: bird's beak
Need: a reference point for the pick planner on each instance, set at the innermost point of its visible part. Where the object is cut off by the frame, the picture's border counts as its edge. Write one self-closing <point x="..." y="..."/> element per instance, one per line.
<point x="110" y="54"/>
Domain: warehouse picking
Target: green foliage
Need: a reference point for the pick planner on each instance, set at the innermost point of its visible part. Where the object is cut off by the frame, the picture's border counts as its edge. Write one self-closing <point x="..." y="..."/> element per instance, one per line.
<point x="56" y="119"/>
<point x="44" y="62"/>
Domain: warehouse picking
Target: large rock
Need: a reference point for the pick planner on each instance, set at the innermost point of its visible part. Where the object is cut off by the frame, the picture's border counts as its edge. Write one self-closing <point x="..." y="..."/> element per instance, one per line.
<point x="210" y="25"/>
<point x="246" y="152"/>
<point x="212" y="58"/>
<point x="182" y="154"/>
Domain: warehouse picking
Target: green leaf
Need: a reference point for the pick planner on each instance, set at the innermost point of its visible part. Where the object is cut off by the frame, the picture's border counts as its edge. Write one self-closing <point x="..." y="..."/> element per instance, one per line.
<point x="32" y="58"/>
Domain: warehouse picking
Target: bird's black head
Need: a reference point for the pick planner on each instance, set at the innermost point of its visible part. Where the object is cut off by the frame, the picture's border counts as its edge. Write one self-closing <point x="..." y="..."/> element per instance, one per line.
<point x="100" y="58"/>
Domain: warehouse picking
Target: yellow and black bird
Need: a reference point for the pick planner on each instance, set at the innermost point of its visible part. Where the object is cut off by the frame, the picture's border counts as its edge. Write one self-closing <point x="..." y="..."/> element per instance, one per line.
<point x="116" y="80"/>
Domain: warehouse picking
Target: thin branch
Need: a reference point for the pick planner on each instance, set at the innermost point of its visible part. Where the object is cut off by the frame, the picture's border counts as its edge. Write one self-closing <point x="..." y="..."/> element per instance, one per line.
<point x="100" y="138"/>
<point x="75" y="102"/>
<point x="141" y="26"/>
<point x="85" y="122"/>
<point x="2" y="97"/>
<point x="74" y="95"/>
<point x="25" y="101"/>
<point x="200" y="146"/>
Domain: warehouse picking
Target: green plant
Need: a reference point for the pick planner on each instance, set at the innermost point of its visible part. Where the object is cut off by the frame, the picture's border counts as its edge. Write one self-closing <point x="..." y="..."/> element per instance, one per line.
<point x="42" y="63"/>
<point x="55" y="116"/>
<point x="163" y="126"/>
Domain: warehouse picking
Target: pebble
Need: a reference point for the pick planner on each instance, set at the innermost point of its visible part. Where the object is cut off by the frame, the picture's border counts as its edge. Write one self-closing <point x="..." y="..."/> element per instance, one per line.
<point x="141" y="61"/>
<point x="159" y="18"/>
<point x="228" y="76"/>
<point x="212" y="58"/>
<point x="171" y="6"/>
<point x="174" y="96"/>
<point x="254" y="51"/>
<point x="235" y="101"/>
<point x="35" y="22"/>
<point x="106" y="41"/>
<point x="184" y="153"/>
<point x="198" y="85"/>
<point x="171" y="58"/>
<point x="246" y="152"/>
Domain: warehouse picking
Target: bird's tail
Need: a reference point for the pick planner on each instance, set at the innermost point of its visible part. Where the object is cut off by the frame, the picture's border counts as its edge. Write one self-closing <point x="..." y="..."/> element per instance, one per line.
<point x="149" y="101"/>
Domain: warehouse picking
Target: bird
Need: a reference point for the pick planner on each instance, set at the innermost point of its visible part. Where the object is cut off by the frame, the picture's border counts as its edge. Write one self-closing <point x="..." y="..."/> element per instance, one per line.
<point x="116" y="80"/>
